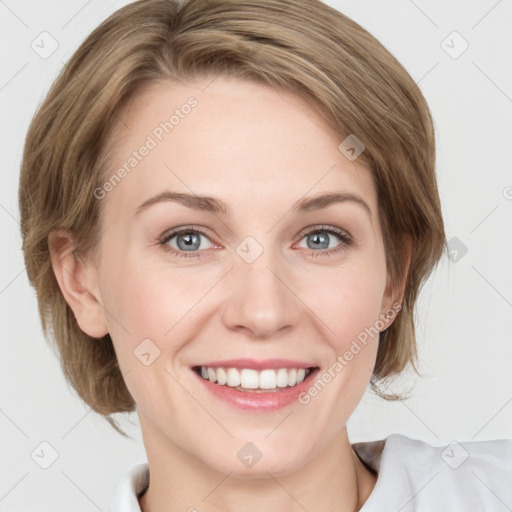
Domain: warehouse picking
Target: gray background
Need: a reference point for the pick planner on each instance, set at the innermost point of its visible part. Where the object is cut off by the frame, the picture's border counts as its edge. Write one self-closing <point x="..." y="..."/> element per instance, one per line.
<point x="464" y="315"/>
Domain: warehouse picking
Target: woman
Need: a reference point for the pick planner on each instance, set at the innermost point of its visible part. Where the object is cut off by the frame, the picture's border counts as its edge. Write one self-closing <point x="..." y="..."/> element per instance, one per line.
<point x="228" y="210"/>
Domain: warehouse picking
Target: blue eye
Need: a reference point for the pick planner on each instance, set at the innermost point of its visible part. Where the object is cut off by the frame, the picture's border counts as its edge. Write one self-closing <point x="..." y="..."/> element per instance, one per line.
<point x="187" y="242"/>
<point x="321" y="237"/>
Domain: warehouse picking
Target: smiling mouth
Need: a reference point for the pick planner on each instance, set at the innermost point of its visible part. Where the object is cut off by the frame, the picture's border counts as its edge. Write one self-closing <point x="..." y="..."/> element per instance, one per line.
<point x="257" y="381"/>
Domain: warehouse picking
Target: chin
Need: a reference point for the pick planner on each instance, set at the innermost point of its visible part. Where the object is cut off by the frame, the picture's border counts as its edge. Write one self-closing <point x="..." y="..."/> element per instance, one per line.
<point x="257" y="459"/>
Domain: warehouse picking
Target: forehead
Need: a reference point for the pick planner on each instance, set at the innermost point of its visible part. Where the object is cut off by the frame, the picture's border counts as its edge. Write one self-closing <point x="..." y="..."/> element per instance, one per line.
<point x="239" y="140"/>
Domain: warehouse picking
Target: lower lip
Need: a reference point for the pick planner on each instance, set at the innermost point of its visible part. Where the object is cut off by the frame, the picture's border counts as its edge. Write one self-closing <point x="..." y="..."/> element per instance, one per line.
<point x="258" y="401"/>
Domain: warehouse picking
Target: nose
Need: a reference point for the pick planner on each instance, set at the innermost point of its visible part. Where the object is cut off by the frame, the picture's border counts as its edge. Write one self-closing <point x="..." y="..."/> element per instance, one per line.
<point x="260" y="299"/>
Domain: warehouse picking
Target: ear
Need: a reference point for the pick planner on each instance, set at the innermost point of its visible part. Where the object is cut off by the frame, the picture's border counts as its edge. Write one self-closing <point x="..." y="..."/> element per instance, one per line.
<point x="78" y="282"/>
<point x="394" y="294"/>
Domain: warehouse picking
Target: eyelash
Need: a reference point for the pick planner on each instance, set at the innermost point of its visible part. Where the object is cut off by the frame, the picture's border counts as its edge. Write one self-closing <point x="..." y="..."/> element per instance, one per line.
<point x="346" y="240"/>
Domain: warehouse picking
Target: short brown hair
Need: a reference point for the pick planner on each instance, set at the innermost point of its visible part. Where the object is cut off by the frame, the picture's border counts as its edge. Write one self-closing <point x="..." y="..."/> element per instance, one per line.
<point x="304" y="47"/>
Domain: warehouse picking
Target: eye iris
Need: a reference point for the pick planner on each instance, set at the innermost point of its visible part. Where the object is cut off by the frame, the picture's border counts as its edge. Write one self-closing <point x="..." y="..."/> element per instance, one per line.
<point x="323" y="239"/>
<point x="192" y="241"/>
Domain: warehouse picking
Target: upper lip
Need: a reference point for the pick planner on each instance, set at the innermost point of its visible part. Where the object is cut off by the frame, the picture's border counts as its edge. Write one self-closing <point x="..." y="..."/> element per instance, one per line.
<point x="257" y="364"/>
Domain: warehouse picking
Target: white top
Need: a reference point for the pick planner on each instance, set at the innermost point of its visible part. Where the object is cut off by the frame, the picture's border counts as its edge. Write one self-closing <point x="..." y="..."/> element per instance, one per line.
<point x="413" y="476"/>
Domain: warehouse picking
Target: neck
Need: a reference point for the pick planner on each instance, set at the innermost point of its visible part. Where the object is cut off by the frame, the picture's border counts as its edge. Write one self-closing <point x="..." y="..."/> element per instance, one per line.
<point x="334" y="479"/>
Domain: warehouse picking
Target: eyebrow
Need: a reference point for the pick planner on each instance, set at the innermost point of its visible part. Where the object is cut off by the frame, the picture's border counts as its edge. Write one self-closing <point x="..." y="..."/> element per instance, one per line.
<point x="211" y="204"/>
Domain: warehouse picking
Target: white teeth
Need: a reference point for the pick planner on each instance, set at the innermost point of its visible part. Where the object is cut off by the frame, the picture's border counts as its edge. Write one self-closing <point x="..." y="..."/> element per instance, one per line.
<point x="249" y="379"/>
<point x="268" y="379"/>
<point x="212" y="375"/>
<point x="282" y="378"/>
<point x="233" y="377"/>
<point x="222" y="378"/>
<point x="252" y="379"/>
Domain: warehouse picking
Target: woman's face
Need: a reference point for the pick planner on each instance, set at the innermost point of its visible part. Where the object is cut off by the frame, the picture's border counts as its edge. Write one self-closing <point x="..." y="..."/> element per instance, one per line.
<point x="275" y="285"/>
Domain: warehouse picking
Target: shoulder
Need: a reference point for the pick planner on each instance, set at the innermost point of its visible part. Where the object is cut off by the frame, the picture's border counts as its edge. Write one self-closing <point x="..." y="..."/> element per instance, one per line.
<point x="130" y="487"/>
<point x="414" y="475"/>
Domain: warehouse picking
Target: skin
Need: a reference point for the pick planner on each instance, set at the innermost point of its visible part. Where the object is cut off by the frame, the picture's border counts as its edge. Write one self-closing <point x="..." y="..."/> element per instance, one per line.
<point x="259" y="151"/>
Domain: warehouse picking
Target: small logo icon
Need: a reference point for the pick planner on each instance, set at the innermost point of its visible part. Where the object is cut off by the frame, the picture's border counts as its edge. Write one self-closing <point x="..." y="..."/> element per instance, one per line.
<point x="249" y="455"/>
<point x="457" y="249"/>
<point x="351" y="147"/>
<point x="44" y="455"/>
<point x="249" y="249"/>
<point x="44" y="45"/>
<point x="146" y="352"/>
<point x="454" y="45"/>
<point x="454" y="455"/>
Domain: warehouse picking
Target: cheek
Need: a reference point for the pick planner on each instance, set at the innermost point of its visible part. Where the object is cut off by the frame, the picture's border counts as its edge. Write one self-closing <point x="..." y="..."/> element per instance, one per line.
<point x="348" y="301"/>
<point x="144" y="309"/>
<point x="349" y="308"/>
<point x="148" y="302"/>
<point x="131" y="304"/>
